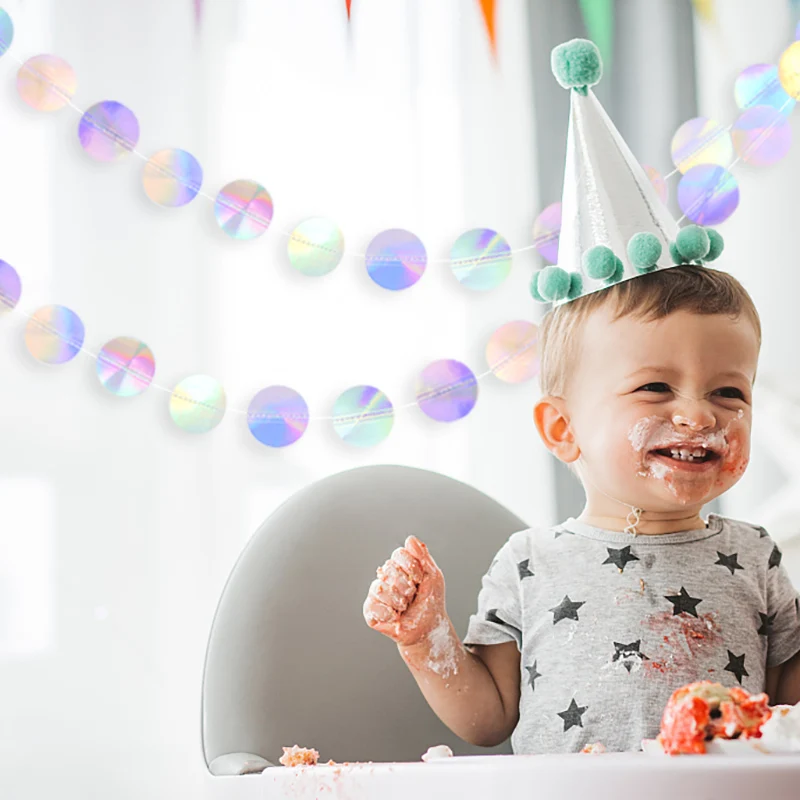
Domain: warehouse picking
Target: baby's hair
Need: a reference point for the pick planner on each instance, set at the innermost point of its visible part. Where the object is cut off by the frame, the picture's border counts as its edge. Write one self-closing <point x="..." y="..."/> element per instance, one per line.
<point x="650" y="297"/>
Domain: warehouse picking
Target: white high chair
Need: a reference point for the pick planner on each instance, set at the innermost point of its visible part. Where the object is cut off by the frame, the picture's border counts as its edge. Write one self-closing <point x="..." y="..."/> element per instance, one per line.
<point x="290" y="659"/>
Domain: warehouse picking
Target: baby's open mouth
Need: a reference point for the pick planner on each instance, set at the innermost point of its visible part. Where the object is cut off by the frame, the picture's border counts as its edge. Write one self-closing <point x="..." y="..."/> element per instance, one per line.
<point x="692" y="454"/>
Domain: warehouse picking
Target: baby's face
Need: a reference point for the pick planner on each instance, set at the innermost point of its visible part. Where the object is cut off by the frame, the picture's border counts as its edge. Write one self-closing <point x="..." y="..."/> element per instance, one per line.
<point x="643" y="392"/>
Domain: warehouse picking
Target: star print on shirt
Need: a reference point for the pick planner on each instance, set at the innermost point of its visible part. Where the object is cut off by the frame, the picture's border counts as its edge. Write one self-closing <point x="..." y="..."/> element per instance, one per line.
<point x="566" y="609"/>
<point x="683" y="603"/>
<point x="627" y="652"/>
<point x="775" y="557"/>
<point x="731" y="561"/>
<point x="524" y="569"/>
<point x="572" y="716"/>
<point x="619" y="558"/>
<point x="767" y="621"/>
<point x="533" y="674"/>
<point x="491" y="616"/>
<point x="762" y="533"/>
<point x="736" y="666"/>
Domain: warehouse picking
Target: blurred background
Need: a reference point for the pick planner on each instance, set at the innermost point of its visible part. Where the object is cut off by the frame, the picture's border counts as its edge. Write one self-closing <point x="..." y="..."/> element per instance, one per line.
<point x="118" y="530"/>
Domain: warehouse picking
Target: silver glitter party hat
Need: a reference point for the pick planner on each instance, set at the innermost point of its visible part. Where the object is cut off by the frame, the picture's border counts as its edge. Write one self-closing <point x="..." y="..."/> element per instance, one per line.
<point x="614" y="225"/>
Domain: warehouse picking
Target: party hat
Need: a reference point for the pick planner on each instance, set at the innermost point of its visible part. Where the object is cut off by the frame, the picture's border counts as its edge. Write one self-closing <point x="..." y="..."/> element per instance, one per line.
<point x="614" y="225"/>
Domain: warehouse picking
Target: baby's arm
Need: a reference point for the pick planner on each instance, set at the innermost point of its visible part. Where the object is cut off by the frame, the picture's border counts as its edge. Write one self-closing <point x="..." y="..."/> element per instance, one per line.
<point x="783" y="682"/>
<point x="474" y="691"/>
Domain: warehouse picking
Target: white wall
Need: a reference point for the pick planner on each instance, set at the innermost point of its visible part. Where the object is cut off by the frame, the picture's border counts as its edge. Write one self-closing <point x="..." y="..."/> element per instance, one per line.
<point x="118" y="530"/>
<point x="761" y="250"/>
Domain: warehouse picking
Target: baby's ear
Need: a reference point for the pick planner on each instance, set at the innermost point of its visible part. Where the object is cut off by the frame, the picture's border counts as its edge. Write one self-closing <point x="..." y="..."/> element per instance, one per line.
<point x="552" y="421"/>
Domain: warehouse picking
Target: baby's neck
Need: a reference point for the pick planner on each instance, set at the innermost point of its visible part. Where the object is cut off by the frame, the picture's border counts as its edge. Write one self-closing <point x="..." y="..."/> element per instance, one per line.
<point x="649" y="524"/>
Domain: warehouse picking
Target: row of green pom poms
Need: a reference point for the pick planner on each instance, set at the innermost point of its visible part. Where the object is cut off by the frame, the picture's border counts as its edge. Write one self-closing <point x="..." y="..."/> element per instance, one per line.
<point x="693" y="245"/>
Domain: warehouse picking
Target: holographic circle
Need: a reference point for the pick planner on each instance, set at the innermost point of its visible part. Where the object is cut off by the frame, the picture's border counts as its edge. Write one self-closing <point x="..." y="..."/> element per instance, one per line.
<point x="789" y="70"/>
<point x="197" y="404"/>
<point x="10" y="287"/>
<point x="657" y="179"/>
<point x="46" y="83"/>
<point x="6" y="31"/>
<point x="480" y="259"/>
<point x="758" y="85"/>
<point x="54" y="335"/>
<point x="396" y="259"/>
<point x="701" y="141"/>
<point x="511" y="352"/>
<point x="108" y="131"/>
<point x="243" y="209"/>
<point x="762" y="136"/>
<point x="447" y="390"/>
<point x="172" y="178"/>
<point x="125" y="366"/>
<point x="708" y="194"/>
<point x="316" y="247"/>
<point x="277" y="416"/>
<point x="546" y="232"/>
<point x="363" y="416"/>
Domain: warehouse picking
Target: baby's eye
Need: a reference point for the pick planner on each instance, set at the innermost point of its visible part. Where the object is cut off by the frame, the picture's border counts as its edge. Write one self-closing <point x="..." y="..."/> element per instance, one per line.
<point x="654" y="387"/>
<point x="732" y="391"/>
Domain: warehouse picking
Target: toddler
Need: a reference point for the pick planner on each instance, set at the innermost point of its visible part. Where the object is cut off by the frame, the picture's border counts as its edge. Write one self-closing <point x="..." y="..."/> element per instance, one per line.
<point x="584" y="630"/>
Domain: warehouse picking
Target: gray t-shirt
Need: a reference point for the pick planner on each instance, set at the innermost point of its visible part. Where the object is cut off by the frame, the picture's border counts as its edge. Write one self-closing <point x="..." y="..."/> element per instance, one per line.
<point x="609" y="624"/>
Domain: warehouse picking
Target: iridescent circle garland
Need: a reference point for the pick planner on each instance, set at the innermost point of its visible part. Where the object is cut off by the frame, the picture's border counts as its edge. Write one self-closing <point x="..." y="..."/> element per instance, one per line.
<point x="363" y="416"/>
<point x="759" y="85"/>
<point x="243" y="209"/>
<point x="108" y="131"/>
<point x="512" y="352"/>
<point x="197" y="404"/>
<point x="447" y="390"/>
<point x="480" y="259"/>
<point x="277" y="416"/>
<point x="54" y="334"/>
<point x="172" y="178"/>
<point x="708" y="194"/>
<point x="10" y="287"/>
<point x="396" y="259"/>
<point x="315" y="247"/>
<point x="46" y="83"/>
<point x="701" y="141"/>
<point x="762" y="135"/>
<point x="6" y="32"/>
<point x="125" y="366"/>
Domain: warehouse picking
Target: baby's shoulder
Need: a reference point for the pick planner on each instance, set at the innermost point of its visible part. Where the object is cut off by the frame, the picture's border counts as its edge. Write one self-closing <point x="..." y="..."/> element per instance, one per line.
<point x="746" y="535"/>
<point x="537" y="539"/>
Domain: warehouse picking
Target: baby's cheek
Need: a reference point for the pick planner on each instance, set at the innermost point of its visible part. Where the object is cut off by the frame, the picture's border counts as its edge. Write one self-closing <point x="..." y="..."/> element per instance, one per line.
<point x="736" y="459"/>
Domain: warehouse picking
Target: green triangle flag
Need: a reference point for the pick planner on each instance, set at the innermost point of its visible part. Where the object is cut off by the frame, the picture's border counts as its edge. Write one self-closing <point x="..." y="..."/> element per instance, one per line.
<point x="598" y="16"/>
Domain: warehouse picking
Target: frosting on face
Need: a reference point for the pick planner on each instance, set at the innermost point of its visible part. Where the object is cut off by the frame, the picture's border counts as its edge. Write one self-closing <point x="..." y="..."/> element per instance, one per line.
<point x="688" y="485"/>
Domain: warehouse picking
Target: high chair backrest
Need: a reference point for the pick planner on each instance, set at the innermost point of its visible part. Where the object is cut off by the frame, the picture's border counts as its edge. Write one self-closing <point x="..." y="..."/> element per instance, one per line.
<point x="290" y="659"/>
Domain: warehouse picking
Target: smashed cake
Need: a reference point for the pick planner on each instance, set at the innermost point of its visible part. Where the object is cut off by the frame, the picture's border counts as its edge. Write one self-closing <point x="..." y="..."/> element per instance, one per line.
<point x="703" y="711"/>
<point x="295" y="756"/>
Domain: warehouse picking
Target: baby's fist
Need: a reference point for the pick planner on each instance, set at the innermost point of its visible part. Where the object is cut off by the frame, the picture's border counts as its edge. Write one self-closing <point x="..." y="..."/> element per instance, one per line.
<point x="407" y="599"/>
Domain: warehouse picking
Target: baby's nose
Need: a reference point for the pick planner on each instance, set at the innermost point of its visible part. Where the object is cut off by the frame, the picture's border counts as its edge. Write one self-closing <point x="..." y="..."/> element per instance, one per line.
<point x="697" y="418"/>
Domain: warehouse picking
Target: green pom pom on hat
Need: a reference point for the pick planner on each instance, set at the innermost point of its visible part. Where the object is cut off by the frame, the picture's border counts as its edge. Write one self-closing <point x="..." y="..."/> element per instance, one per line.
<point x="619" y="270"/>
<point x="644" y="250"/>
<point x="553" y="283"/>
<point x="693" y="243"/>
<point x="717" y="244"/>
<point x="599" y="262"/>
<point x="577" y="64"/>
<point x="675" y="255"/>
<point x="575" y="285"/>
<point x="535" y="288"/>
